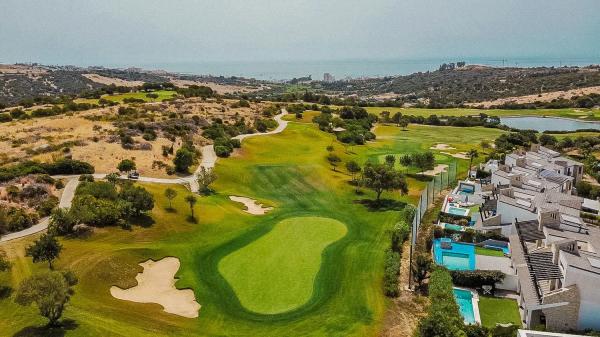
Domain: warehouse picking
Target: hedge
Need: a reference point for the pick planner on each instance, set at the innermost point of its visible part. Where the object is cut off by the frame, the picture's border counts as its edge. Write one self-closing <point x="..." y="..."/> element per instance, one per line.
<point x="62" y="166"/>
<point x="476" y="278"/>
<point x="443" y="316"/>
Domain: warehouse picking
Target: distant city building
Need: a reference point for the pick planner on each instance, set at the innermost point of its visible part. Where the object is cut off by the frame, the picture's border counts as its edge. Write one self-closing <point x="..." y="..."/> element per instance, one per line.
<point x="327" y="77"/>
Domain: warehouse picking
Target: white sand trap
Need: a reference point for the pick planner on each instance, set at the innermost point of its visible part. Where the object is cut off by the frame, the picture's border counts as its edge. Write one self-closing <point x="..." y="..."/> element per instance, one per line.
<point x="156" y="284"/>
<point x="436" y="170"/>
<point x="252" y="206"/>
<point x="442" y="147"/>
<point x="459" y="155"/>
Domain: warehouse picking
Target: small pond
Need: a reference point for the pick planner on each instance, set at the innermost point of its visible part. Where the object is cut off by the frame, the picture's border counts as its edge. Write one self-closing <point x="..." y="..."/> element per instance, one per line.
<point x="547" y="124"/>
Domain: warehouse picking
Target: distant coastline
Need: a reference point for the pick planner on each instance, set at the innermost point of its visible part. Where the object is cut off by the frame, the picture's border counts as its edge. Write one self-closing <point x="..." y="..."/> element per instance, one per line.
<point x="340" y="69"/>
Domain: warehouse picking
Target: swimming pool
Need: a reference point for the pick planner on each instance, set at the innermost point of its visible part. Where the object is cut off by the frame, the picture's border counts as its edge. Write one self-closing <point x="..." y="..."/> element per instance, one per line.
<point x="453" y="227"/>
<point x="460" y="256"/>
<point x="458" y="211"/>
<point x="464" y="299"/>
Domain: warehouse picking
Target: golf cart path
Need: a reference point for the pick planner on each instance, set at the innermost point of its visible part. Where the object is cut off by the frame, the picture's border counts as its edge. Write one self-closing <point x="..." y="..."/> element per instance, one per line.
<point x="209" y="159"/>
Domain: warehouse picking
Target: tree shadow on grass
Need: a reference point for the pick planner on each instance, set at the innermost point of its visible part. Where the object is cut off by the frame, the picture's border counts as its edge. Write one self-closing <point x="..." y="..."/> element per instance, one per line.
<point x="382" y="205"/>
<point x="170" y="210"/>
<point x="143" y="220"/>
<point x="191" y="219"/>
<point x="48" y="331"/>
<point x="5" y="292"/>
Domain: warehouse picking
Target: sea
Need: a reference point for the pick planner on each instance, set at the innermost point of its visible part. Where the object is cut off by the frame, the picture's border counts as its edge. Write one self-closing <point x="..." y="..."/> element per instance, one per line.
<point x="345" y="69"/>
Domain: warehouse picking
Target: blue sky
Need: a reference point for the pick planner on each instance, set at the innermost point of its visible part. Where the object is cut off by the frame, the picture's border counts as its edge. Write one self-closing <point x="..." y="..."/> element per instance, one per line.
<point x="88" y="32"/>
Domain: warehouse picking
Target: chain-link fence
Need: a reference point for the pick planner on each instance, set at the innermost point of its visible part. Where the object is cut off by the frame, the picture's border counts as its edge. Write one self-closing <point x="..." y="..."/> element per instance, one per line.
<point x="438" y="184"/>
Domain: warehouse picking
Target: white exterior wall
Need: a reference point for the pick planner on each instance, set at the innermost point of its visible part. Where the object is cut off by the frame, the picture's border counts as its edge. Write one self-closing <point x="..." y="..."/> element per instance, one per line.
<point x="588" y="284"/>
<point x="510" y="212"/>
<point x="510" y="161"/>
<point x="497" y="180"/>
<point x="510" y="282"/>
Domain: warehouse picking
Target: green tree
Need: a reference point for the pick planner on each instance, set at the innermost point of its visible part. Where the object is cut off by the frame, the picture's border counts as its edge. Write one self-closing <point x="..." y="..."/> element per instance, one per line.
<point x="113" y="178"/>
<point x="403" y="123"/>
<point x="485" y="145"/>
<point x="205" y="178"/>
<point x="184" y="158"/>
<point x="472" y="154"/>
<point x="333" y="160"/>
<point x="139" y="199"/>
<point x="390" y="160"/>
<point x="353" y="167"/>
<point x="152" y="96"/>
<point x="62" y="222"/>
<point x="170" y="194"/>
<point x="191" y="200"/>
<point x="379" y="178"/>
<point x="424" y="161"/>
<point x="46" y="248"/>
<point x="126" y="165"/>
<point x="396" y="118"/>
<point x="420" y="269"/>
<point x="4" y="263"/>
<point x="50" y="291"/>
<point x="385" y="116"/>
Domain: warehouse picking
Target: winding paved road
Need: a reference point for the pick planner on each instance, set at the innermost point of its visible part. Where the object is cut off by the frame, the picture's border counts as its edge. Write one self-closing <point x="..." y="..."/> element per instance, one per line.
<point x="209" y="159"/>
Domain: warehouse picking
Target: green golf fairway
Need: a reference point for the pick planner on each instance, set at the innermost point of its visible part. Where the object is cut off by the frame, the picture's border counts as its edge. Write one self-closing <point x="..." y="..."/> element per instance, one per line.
<point x="277" y="272"/>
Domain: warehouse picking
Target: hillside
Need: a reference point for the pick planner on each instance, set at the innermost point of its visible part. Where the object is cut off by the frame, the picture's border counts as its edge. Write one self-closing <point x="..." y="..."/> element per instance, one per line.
<point x="25" y="82"/>
<point x="468" y="84"/>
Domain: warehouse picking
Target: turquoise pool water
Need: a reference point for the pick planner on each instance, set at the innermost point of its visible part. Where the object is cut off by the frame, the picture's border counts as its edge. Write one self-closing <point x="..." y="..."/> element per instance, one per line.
<point x="458" y="211"/>
<point x="505" y="250"/>
<point x="453" y="227"/>
<point x="464" y="299"/>
<point x="460" y="256"/>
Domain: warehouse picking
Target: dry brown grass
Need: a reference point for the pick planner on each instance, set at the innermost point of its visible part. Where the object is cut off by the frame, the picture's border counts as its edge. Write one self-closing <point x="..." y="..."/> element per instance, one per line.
<point x="93" y="130"/>
<point x="544" y="97"/>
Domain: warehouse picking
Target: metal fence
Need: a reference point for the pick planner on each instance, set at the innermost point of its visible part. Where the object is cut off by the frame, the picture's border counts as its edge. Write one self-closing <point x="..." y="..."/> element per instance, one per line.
<point x="439" y="183"/>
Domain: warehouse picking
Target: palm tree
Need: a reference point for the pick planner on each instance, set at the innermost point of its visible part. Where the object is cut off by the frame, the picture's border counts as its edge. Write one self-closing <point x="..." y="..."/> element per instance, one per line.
<point x="472" y="154"/>
<point x="191" y="200"/>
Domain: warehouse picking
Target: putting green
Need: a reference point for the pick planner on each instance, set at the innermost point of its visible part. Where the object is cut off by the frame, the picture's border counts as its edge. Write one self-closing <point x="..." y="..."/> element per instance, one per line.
<point x="277" y="272"/>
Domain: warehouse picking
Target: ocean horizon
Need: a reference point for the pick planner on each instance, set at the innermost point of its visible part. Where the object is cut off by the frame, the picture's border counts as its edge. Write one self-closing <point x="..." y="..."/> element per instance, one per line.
<point x="341" y="69"/>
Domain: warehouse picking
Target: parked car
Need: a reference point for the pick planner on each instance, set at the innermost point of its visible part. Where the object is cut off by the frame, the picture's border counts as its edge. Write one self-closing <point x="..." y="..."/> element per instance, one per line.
<point x="133" y="175"/>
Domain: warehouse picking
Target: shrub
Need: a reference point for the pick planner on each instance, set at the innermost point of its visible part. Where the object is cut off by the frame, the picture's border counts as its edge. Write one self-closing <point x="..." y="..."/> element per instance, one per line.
<point x="443" y="317"/>
<point x="86" y="177"/>
<point x="59" y="184"/>
<point x="391" y="273"/>
<point x="13" y="219"/>
<point x="476" y="278"/>
<point x="222" y="151"/>
<point x="97" y="189"/>
<point x="183" y="160"/>
<point x="139" y="199"/>
<point x="46" y="206"/>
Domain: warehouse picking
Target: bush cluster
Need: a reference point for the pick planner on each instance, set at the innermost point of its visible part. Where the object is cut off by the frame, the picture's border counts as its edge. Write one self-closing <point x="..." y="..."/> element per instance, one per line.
<point x="443" y="317"/>
<point x="476" y="278"/>
<point x="62" y="166"/>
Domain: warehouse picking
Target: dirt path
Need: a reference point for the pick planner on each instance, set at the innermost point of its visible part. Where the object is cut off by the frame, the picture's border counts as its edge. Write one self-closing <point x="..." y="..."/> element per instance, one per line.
<point x="209" y="159"/>
<point x="404" y="312"/>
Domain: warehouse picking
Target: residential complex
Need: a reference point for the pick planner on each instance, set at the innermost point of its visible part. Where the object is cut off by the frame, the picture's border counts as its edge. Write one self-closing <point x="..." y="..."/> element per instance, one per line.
<point x="554" y="245"/>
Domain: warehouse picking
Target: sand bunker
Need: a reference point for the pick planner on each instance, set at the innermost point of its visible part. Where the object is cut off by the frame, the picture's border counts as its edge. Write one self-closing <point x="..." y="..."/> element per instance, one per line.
<point x="156" y="284"/>
<point x="459" y="155"/>
<point x="442" y="147"/>
<point x="252" y="206"/>
<point x="436" y="170"/>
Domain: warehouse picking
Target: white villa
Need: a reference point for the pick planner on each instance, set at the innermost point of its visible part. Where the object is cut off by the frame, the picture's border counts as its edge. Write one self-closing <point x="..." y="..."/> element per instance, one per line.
<point x="555" y="252"/>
